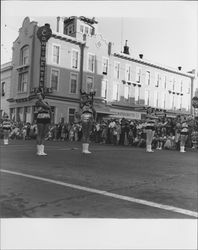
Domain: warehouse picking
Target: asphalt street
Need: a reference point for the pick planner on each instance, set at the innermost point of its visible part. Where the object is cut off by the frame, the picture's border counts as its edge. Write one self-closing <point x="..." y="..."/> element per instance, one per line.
<point x="112" y="182"/>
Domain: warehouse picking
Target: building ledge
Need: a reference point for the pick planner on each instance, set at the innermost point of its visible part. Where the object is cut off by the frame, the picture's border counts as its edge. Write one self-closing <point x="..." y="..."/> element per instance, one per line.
<point x="22" y="67"/>
<point x="155" y="65"/>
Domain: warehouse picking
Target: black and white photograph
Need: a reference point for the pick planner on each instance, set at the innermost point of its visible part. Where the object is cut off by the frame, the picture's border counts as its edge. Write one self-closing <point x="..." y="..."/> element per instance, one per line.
<point x="99" y="125"/>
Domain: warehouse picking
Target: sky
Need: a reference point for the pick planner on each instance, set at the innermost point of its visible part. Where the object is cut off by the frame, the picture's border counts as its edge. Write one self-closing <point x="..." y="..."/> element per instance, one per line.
<point x="164" y="31"/>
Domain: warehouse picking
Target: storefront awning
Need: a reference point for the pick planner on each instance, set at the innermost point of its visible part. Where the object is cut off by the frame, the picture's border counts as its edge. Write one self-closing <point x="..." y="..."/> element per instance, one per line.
<point x="103" y="111"/>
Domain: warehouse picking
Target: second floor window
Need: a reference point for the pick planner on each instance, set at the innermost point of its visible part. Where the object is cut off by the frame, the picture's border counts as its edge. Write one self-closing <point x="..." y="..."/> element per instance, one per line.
<point x="165" y="82"/>
<point x="138" y="74"/>
<point x="54" y="79"/>
<point x="91" y="62"/>
<point x="56" y="54"/>
<point x="22" y="86"/>
<point x="157" y="79"/>
<point x="174" y="85"/>
<point x="25" y="55"/>
<point x="128" y="73"/>
<point x="75" y="56"/>
<point x="73" y="83"/>
<point x="148" y="76"/>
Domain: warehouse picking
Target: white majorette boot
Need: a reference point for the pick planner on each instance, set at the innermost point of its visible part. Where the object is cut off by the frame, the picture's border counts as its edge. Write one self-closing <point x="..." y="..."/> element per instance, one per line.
<point x="182" y="149"/>
<point x="42" y="150"/>
<point x="38" y="149"/>
<point x="86" y="148"/>
<point x="149" y="150"/>
<point x="5" y="141"/>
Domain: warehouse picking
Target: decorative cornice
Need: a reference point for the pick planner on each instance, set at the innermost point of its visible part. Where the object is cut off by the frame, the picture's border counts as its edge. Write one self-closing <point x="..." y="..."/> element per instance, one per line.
<point x="153" y="65"/>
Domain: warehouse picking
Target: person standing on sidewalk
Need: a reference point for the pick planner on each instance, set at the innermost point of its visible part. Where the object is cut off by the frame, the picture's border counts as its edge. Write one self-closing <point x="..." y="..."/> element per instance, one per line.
<point x="7" y="126"/>
<point x="43" y="120"/>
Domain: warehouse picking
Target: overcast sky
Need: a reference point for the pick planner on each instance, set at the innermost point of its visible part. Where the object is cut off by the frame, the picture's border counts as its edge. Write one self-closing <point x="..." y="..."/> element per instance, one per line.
<point x="165" y="31"/>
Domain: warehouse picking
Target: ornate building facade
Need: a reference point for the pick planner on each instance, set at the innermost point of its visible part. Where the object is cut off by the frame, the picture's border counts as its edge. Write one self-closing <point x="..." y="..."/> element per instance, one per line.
<point x="77" y="57"/>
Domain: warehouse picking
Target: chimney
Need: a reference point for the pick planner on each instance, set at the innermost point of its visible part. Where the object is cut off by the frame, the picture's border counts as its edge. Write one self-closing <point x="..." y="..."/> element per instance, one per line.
<point x="141" y="56"/>
<point x="109" y="48"/>
<point x="126" y="48"/>
<point x="57" y="24"/>
<point x="179" y="68"/>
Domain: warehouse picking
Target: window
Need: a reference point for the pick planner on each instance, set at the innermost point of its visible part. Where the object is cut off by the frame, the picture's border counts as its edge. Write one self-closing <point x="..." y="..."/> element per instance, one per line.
<point x="162" y="100"/>
<point x="173" y="102"/>
<point x="126" y="91"/>
<point x="188" y="89"/>
<point x="157" y="79"/>
<point x="146" y="97"/>
<point x="91" y="62"/>
<point x="155" y="99"/>
<point x="138" y="74"/>
<point x="128" y="73"/>
<point x="104" y="88"/>
<point x="71" y="115"/>
<point x="54" y="79"/>
<point x="136" y="93"/>
<point x="27" y="114"/>
<point x="181" y="88"/>
<point x="22" y="86"/>
<point x="115" y="91"/>
<point x="174" y="85"/>
<point x="73" y="83"/>
<point x="20" y="114"/>
<point x="86" y="30"/>
<point x="105" y="63"/>
<point x="81" y="28"/>
<point x="3" y="88"/>
<point x="148" y="76"/>
<point x="75" y="56"/>
<point x="117" y="70"/>
<point x="56" y="54"/>
<point x="178" y="104"/>
<point x="90" y="83"/>
<point x="25" y="55"/>
<point x="12" y="114"/>
<point x="70" y="29"/>
<point x="165" y="82"/>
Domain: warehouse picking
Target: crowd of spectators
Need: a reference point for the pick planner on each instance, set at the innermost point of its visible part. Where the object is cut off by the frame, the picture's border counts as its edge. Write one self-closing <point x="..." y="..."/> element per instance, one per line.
<point x="115" y="131"/>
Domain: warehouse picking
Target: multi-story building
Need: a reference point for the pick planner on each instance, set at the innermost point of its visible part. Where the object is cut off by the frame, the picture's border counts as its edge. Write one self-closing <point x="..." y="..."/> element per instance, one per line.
<point x="77" y="57"/>
<point x="6" y="71"/>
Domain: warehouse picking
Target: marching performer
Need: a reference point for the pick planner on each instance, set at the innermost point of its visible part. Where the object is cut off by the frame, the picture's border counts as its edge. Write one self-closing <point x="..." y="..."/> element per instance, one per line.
<point x="87" y="118"/>
<point x="7" y="126"/>
<point x="150" y="129"/>
<point x="183" y="135"/>
<point x="43" y="120"/>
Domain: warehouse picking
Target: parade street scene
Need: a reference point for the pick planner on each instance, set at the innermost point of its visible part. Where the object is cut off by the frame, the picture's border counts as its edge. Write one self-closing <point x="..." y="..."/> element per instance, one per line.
<point x="99" y="113"/>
